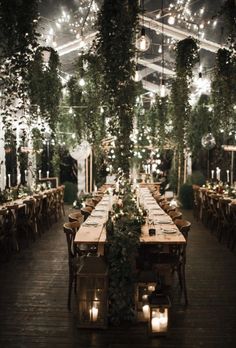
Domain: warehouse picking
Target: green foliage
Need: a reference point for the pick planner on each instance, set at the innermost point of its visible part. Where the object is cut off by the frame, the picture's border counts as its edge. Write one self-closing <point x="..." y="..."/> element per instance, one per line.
<point x="199" y="125"/>
<point x="224" y="92"/>
<point x="45" y="86"/>
<point x="186" y="57"/>
<point x="123" y="231"/>
<point x="18" y="41"/>
<point x="197" y="178"/>
<point x="117" y="27"/>
<point x="70" y="194"/>
<point x="186" y="196"/>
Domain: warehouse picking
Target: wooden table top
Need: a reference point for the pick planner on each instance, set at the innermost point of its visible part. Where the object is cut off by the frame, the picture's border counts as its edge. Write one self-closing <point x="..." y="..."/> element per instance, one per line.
<point x="93" y="230"/>
<point x="165" y="230"/>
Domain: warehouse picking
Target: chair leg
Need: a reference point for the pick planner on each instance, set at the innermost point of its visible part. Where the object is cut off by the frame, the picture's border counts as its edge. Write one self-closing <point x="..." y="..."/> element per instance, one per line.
<point x="184" y="285"/>
<point x="69" y="291"/>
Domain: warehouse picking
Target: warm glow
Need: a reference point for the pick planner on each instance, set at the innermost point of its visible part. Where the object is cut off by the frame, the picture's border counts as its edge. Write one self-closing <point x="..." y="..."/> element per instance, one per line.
<point x="171" y="20"/>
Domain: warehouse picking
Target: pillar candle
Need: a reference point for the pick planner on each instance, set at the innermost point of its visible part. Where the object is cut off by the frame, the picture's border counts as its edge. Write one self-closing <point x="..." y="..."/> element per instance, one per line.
<point x="93" y="313"/>
<point x="227" y="172"/>
<point x="40" y="174"/>
<point x="9" y="180"/>
<point x="47" y="173"/>
<point x="212" y="174"/>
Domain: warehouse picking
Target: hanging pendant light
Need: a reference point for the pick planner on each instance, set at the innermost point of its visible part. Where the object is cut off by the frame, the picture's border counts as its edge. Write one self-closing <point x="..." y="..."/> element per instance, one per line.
<point x="143" y="42"/>
<point x="163" y="91"/>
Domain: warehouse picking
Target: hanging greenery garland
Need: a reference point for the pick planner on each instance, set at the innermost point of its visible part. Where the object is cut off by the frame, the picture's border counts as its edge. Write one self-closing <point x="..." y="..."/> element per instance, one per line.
<point x="18" y="42"/>
<point x="224" y="92"/>
<point x="117" y="27"/>
<point x="186" y="57"/>
<point x="45" y="86"/>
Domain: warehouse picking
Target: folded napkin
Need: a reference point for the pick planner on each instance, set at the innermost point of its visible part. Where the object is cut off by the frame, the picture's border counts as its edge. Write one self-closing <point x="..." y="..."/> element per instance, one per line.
<point x="90" y="223"/>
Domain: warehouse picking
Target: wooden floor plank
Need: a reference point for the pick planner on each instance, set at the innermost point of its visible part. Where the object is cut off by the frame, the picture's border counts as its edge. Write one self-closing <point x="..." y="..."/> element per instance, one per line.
<point x="33" y="296"/>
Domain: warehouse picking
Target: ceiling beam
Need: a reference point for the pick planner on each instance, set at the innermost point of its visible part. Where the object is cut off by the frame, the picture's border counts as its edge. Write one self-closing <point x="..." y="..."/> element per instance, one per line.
<point x="155" y="67"/>
<point x="179" y="34"/>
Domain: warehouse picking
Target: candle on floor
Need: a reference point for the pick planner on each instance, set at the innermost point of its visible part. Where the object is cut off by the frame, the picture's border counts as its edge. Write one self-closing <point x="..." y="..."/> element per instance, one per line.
<point x="93" y="313"/>
<point x="146" y="311"/>
<point x="155" y="324"/>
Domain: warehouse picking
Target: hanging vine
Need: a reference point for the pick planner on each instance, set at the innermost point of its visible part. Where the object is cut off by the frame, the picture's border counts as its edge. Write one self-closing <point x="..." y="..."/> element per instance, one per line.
<point x="117" y="26"/>
<point x="45" y="86"/>
<point x="186" y="57"/>
<point x="18" y="42"/>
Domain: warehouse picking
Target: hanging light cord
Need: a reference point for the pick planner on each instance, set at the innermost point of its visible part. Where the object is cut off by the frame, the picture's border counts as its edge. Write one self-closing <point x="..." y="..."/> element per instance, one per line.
<point x="162" y="42"/>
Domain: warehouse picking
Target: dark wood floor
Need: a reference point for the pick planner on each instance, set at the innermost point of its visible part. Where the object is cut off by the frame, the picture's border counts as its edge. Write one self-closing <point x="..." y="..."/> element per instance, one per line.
<point x="33" y="293"/>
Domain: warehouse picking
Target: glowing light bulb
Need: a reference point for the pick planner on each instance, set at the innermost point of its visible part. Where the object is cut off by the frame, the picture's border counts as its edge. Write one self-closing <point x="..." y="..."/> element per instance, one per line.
<point x="171" y="20"/>
<point x="143" y="42"/>
<point x="81" y="82"/>
<point x="163" y="91"/>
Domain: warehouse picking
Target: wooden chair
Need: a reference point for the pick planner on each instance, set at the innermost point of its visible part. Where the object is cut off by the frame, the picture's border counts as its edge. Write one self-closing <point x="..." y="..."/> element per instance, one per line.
<point x="78" y="216"/>
<point x="175" y="257"/>
<point x="28" y="220"/>
<point x="39" y="213"/>
<point x="12" y="225"/>
<point x="74" y="257"/>
<point x="232" y="241"/>
<point x="196" y="202"/>
<point x="174" y="214"/>
<point x="89" y="203"/>
<point x="86" y="211"/>
<point x="224" y="220"/>
<point x="4" y="235"/>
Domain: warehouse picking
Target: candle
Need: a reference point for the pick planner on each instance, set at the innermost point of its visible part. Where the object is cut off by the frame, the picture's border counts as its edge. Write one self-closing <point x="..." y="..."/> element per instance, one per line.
<point x="93" y="314"/>
<point x="218" y="173"/>
<point x="227" y="172"/>
<point x="19" y="179"/>
<point x="47" y="173"/>
<point x="40" y="174"/>
<point x="151" y="288"/>
<point x="155" y="324"/>
<point x="212" y="174"/>
<point x="146" y="311"/>
<point x="163" y="320"/>
<point x="9" y="180"/>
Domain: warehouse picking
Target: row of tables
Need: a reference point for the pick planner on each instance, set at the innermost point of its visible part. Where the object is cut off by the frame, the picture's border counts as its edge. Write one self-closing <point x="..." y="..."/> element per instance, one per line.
<point x="93" y="230"/>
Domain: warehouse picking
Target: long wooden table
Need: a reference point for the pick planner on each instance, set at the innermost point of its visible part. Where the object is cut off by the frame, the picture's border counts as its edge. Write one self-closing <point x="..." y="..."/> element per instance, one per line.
<point x="165" y="230"/>
<point x="93" y="230"/>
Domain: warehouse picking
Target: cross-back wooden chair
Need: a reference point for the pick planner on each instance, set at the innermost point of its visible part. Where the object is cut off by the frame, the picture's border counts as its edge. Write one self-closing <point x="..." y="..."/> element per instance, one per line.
<point x="74" y="256"/>
<point x="78" y="216"/>
<point x="86" y="211"/>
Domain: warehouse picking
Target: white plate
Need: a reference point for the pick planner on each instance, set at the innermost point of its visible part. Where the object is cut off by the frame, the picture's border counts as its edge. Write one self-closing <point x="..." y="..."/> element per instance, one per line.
<point x="169" y="231"/>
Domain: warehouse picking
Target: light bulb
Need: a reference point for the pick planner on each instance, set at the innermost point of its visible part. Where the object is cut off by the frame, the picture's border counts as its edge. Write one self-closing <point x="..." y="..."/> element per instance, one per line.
<point x="171" y="20"/>
<point x="163" y="90"/>
<point x="143" y="42"/>
<point x="81" y="82"/>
